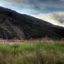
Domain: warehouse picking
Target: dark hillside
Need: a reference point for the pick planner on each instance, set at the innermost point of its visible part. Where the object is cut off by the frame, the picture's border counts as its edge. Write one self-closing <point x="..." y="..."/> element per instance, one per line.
<point x="15" y="25"/>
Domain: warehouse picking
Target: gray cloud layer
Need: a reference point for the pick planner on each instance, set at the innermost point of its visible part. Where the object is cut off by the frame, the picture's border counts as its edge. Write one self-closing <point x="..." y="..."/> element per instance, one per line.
<point x="34" y="6"/>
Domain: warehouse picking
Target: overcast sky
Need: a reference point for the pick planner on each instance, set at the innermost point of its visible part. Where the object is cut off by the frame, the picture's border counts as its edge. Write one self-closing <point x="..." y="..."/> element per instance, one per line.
<point x="34" y="6"/>
<point x="43" y="9"/>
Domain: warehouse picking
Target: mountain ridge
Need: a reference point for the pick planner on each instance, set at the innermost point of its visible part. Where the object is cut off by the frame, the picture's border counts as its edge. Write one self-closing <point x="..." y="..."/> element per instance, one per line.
<point x="16" y="25"/>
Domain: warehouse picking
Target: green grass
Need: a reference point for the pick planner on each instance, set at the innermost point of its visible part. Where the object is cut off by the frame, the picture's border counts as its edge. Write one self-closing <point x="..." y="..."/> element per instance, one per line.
<point x="32" y="52"/>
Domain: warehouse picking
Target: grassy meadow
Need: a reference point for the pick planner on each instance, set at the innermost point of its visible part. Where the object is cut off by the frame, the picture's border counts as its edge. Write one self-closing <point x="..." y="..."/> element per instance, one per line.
<point x="32" y="52"/>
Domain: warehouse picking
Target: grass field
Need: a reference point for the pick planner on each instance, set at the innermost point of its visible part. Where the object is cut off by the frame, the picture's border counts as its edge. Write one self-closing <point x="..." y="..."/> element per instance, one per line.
<point x="32" y="52"/>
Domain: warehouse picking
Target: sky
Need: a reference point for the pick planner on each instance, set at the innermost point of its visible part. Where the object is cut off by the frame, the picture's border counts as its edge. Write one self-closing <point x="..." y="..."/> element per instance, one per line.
<point x="43" y="9"/>
<point x="33" y="6"/>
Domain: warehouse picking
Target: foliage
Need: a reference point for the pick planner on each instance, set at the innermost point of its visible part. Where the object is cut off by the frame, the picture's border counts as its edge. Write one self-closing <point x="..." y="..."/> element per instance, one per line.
<point x="32" y="52"/>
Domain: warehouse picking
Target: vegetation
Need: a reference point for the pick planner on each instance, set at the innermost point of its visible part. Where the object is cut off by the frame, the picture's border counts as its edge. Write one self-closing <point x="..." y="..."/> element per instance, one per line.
<point x="32" y="52"/>
<point x="16" y="25"/>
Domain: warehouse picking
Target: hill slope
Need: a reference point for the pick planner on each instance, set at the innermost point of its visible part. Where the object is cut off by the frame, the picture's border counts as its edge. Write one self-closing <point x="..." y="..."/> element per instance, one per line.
<point x="15" y="25"/>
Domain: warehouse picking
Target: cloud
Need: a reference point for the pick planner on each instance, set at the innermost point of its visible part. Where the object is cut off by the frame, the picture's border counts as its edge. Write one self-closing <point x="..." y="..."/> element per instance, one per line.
<point x="12" y="0"/>
<point x="56" y="18"/>
<point x="33" y="6"/>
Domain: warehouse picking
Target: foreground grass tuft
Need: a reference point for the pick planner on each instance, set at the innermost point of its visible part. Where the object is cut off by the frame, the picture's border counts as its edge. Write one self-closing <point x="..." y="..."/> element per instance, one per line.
<point x="32" y="52"/>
